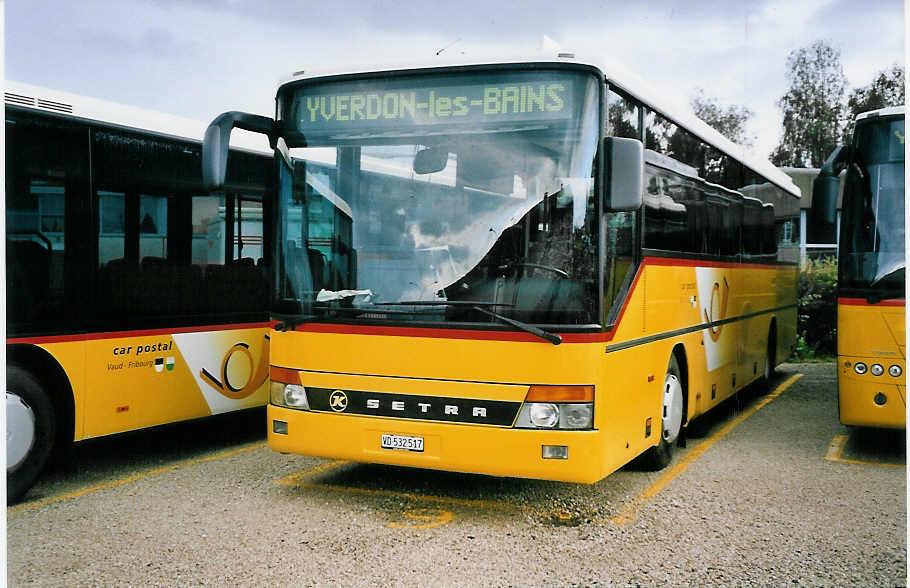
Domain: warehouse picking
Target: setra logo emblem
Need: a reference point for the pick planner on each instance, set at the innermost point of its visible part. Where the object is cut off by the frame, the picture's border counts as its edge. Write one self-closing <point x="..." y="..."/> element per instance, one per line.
<point x="338" y="401"/>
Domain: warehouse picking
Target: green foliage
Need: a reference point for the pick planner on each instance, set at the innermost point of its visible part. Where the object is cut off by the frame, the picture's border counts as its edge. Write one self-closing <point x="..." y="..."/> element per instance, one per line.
<point x="817" y="314"/>
<point x="887" y="89"/>
<point x="729" y="121"/>
<point x="813" y="106"/>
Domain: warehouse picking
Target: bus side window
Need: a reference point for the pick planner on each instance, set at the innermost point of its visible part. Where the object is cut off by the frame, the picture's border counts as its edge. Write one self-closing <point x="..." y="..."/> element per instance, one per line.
<point x="622" y="116"/>
<point x="46" y="171"/>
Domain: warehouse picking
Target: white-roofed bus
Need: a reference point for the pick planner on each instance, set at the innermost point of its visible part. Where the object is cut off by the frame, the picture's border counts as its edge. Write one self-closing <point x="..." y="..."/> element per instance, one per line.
<point x="532" y="268"/>
<point x="871" y="300"/>
<point x="134" y="297"/>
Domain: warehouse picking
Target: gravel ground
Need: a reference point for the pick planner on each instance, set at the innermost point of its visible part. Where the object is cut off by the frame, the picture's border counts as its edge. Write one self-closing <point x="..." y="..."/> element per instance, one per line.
<point x="760" y="507"/>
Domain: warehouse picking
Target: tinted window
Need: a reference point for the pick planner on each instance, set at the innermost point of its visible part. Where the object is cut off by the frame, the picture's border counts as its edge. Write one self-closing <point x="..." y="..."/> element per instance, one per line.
<point x="167" y="254"/>
<point x="623" y="116"/>
<point x="46" y="185"/>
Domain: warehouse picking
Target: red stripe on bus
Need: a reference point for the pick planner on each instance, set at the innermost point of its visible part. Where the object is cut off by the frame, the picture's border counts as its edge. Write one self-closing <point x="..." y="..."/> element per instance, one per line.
<point x="138" y="333"/>
<point x="670" y="261"/>
<point x="864" y="302"/>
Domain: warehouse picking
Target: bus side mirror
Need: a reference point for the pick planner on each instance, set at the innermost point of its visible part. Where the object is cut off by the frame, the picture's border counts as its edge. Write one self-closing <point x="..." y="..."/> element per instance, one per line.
<point x="624" y="166"/>
<point x="825" y="188"/>
<point x="217" y="141"/>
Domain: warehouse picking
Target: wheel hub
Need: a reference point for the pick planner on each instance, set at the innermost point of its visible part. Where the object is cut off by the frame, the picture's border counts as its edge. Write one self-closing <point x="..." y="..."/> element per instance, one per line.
<point x="673" y="408"/>
<point x="20" y="431"/>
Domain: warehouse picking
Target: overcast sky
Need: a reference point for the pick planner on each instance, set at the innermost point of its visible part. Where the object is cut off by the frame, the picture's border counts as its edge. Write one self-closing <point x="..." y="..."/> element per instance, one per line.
<point x="197" y="58"/>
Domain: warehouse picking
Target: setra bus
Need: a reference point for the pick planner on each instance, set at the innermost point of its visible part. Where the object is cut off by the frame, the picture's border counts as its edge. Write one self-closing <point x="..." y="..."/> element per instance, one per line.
<point x="871" y="310"/>
<point x="134" y="297"/>
<point x="529" y="269"/>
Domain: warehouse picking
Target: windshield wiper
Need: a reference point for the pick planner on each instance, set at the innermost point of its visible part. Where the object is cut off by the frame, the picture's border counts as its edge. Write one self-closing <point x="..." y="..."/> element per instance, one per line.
<point x="288" y="322"/>
<point x="291" y="321"/>
<point x="879" y="295"/>
<point x="478" y="306"/>
<point x="443" y="303"/>
<point x="551" y="337"/>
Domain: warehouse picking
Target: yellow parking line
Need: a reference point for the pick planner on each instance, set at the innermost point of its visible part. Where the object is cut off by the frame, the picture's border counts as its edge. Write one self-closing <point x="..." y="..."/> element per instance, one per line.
<point x="836" y="451"/>
<point x="134" y="478"/>
<point x="297" y="479"/>
<point x="430" y="498"/>
<point x="630" y="512"/>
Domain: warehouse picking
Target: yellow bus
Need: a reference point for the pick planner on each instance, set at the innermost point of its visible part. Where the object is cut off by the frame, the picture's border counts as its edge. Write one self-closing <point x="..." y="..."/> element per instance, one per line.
<point x="871" y="313"/>
<point x="134" y="298"/>
<point x="527" y="268"/>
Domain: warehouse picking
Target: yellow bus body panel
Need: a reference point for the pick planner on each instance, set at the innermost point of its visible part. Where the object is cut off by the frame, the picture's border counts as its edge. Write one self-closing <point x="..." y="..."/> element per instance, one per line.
<point x="627" y="371"/>
<point x="871" y="333"/>
<point x="130" y="382"/>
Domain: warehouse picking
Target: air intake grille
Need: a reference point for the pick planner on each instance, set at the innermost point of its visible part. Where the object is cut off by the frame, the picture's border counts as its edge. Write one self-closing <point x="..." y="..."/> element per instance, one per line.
<point x="21" y="100"/>
<point x="18" y="99"/>
<point x="55" y="106"/>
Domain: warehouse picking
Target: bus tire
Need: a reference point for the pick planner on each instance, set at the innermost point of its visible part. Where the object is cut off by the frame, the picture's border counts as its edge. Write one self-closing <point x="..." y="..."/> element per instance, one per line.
<point x="659" y="456"/>
<point x="31" y="431"/>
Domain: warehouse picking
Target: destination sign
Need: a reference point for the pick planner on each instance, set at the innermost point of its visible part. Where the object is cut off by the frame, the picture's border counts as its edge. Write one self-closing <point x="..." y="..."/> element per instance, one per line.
<point x="376" y="105"/>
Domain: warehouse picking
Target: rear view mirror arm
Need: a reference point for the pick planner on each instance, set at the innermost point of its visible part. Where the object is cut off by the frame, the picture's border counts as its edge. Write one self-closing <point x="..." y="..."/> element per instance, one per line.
<point x="217" y="141"/>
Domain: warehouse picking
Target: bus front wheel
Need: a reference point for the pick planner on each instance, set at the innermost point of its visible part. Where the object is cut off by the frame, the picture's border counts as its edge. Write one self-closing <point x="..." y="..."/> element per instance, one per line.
<point x="30" y="431"/>
<point x="659" y="456"/>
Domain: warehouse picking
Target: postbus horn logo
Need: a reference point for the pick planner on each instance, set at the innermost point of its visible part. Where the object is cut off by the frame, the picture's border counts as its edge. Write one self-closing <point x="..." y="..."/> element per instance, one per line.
<point x="237" y="390"/>
<point x="714" y="330"/>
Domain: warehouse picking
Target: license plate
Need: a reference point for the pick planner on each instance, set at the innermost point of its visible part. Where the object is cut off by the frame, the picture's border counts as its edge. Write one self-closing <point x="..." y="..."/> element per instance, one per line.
<point x="403" y="442"/>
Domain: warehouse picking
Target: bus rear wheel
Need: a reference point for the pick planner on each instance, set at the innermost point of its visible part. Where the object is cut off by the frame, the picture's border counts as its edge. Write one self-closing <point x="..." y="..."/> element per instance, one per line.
<point x="30" y="431"/>
<point x="660" y="456"/>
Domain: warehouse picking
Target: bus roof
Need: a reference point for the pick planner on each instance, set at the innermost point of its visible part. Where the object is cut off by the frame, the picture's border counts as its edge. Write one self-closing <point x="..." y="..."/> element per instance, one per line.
<point x="86" y="108"/>
<point x="888" y="111"/>
<point x="627" y="81"/>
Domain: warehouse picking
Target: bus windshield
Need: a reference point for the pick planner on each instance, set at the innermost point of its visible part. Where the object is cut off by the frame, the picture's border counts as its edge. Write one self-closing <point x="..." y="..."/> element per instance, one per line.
<point x="441" y="198"/>
<point x="872" y="240"/>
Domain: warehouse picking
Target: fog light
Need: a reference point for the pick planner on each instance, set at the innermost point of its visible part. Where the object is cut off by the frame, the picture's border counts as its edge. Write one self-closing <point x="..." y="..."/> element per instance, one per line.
<point x="860" y="368"/>
<point x="295" y="396"/>
<point x="895" y="371"/>
<point x="876" y="369"/>
<point x="544" y="414"/>
<point x="279" y="427"/>
<point x="880" y="399"/>
<point x="554" y="451"/>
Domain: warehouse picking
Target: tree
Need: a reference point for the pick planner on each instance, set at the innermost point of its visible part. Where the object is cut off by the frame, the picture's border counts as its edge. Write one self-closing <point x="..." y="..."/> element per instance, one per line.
<point x="813" y="107"/>
<point x="729" y="121"/>
<point x="887" y="89"/>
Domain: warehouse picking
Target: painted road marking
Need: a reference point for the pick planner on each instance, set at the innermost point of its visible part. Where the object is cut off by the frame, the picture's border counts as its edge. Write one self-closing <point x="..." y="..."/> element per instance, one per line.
<point x="836" y="451"/>
<point x="134" y="478"/>
<point x="301" y="482"/>
<point x="424" y="518"/>
<point x="630" y="511"/>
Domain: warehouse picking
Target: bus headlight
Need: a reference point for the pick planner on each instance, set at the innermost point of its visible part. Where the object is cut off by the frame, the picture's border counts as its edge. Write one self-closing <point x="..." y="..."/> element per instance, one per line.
<point x="876" y="369"/>
<point x="557" y="407"/>
<point x="576" y="416"/>
<point x="543" y="415"/>
<point x="860" y="368"/>
<point x="289" y="395"/>
<point x="895" y="371"/>
<point x="547" y="415"/>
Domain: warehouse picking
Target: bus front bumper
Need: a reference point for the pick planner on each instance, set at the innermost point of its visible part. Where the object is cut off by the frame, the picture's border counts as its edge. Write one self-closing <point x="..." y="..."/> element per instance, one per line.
<point x="495" y="451"/>
<point x="871" y="401"/>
